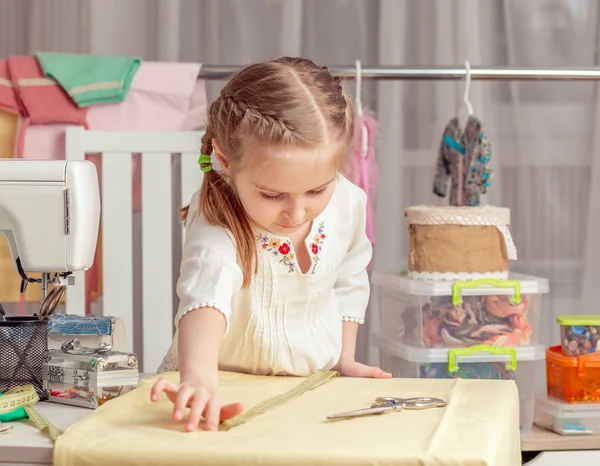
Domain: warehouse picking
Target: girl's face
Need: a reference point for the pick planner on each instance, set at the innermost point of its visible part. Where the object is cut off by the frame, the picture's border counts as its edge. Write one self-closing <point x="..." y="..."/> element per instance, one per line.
<point x="284" y="188"/>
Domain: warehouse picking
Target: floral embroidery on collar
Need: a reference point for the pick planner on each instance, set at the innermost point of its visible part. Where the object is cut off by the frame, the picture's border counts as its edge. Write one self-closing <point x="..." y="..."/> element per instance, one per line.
<point x="284" y="250"/>
<point x="317" y="245"/>
<point x="279" y="248"/>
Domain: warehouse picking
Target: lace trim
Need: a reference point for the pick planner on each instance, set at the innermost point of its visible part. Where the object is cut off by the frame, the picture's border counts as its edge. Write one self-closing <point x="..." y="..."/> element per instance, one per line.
<point x="457" y="215"/>
<point x="356" y="320"/>
<point x="454" y="276"/>
<point x="511" y="249"/>
<point x="201" y="304"/>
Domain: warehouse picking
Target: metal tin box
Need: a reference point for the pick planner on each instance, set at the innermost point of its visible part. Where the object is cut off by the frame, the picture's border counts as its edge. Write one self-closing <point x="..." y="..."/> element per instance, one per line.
<point x="88" y="380"/>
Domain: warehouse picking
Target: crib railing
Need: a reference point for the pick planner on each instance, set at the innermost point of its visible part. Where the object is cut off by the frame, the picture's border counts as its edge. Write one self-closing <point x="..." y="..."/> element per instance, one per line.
<point x="166" y="185"/>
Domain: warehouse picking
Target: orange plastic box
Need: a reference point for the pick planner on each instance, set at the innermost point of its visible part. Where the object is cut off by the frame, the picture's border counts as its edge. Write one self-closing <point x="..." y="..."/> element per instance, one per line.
<point x="574" y="379"/>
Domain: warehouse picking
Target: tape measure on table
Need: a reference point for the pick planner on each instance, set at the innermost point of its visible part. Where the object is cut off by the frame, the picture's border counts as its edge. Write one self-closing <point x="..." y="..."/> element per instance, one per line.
<point x="25" y="397"/>
<point x="310" y="383"/>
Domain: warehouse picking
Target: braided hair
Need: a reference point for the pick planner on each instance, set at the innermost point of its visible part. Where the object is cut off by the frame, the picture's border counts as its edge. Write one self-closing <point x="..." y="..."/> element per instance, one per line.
<point x="283" y="101"/>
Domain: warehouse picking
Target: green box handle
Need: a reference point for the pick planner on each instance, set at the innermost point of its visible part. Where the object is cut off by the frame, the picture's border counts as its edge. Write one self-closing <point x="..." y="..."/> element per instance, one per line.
<point x="457" y="287"/>
<point x="455" y="352"/>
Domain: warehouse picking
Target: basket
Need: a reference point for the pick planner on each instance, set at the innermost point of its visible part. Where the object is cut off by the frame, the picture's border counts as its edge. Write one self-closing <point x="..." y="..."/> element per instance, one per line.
<point x="23" y="342"/>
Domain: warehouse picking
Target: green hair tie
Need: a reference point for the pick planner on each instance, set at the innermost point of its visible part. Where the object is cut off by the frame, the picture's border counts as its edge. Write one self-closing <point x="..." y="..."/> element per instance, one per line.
<point x="205" y="160"/>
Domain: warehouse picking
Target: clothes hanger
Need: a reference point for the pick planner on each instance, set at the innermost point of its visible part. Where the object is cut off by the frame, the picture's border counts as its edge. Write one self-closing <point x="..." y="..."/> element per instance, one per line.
<point x="466" y="108"/>
<point x="359" y="110"/>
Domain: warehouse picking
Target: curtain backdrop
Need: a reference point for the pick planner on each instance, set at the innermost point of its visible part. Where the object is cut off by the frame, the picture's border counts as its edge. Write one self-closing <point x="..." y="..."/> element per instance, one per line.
<point x="545" y="153"/>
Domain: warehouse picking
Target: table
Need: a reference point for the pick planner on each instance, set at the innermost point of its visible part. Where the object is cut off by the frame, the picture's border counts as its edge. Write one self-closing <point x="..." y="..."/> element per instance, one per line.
<point x="25" y="445"/>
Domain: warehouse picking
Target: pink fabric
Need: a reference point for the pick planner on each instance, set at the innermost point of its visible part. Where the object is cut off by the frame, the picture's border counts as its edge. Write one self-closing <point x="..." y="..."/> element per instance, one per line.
<point x="25" y="91"/>
<point x="160" y="99"/>
<point x="363" y="168"/>
<point x="43" y="103"/>
<point x="8" y="99"/>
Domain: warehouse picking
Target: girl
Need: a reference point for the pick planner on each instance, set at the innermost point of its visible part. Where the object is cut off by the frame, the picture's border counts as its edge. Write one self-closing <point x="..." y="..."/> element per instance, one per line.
<point x="273" y="275"/>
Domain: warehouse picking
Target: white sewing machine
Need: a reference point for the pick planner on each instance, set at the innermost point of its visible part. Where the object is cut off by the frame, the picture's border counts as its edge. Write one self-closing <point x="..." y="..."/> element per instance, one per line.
<point x="50" y="215"/>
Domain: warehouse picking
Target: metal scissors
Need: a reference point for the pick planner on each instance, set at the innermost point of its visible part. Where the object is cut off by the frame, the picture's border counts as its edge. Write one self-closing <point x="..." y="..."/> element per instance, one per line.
<point x="386" y="404"/>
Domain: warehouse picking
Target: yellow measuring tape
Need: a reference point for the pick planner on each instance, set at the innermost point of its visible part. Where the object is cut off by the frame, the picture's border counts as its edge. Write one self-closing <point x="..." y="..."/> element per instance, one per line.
<point x="25" y="397"/>
<point x="314" y="381"/>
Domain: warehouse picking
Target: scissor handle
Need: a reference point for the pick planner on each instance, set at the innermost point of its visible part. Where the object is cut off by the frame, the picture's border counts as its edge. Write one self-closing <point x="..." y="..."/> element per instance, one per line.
<point x="421" y="402"/>
<point x="424" y="402"/>
<point x="388" y="400"/>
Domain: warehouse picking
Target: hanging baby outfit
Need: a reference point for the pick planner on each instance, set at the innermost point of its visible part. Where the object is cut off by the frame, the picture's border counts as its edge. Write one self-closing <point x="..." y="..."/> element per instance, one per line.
<point x="463" y="158"/>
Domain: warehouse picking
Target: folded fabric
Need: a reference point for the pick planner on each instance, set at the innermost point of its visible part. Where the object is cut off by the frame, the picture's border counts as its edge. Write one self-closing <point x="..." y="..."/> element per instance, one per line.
<point x="42" y="100"/>
<point x="91" y="79"/>
<point x="25" y="92"/>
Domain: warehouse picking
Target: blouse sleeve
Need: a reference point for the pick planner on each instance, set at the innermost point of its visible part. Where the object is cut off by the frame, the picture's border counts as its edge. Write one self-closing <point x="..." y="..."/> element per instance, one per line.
<point x="352" y="285"/>
<point x="209" y="273"/>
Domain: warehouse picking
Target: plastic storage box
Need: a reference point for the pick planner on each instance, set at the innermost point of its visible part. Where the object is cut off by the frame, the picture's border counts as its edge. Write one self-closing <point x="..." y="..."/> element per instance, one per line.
<point x="579" y="335"/>
<point x="521" y="364"/>
<point x="461" y="314"/>
<point x="567" y="418"/>
<point x="574" y="379"/>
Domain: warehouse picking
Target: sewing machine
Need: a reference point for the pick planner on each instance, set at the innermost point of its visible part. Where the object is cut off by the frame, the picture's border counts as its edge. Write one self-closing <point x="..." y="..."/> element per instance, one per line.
<point x="49" y="214"/>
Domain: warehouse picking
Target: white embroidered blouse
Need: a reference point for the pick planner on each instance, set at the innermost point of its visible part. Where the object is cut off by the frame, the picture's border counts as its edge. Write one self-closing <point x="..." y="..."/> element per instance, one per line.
<point x="285" y="322"/>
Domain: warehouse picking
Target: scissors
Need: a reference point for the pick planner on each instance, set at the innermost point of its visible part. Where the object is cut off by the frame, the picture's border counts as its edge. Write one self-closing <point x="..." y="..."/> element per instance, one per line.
<point x="386" y="404"/>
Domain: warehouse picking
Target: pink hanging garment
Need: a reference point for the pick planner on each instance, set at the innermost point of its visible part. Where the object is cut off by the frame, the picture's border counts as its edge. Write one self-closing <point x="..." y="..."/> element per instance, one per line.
<point x="363" y="164"/>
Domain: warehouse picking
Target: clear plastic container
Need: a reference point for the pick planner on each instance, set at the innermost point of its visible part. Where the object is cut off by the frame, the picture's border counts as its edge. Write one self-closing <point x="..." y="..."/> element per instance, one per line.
<point x="574" y="379"/>
<point x="521" y="364"/>
<point x="579" y="335"/>
<point x="567" y="418"/>
<point x="461" y="314"/>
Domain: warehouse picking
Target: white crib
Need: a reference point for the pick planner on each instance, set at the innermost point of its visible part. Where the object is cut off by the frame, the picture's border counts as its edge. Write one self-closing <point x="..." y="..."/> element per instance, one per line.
<point x="170" y="175"/>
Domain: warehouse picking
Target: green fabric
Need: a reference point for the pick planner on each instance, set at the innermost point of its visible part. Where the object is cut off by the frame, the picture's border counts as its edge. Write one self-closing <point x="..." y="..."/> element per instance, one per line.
<point x="15" y="415"/>
<point x="110" y="76"/>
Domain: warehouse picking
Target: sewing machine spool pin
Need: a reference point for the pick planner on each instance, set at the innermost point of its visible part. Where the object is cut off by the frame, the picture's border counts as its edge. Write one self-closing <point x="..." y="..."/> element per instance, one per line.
<point x="45" y="278"/>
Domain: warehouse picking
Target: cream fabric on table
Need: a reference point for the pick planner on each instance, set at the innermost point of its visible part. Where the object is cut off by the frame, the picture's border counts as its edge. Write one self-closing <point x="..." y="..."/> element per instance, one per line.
<point x="480" y="426"/>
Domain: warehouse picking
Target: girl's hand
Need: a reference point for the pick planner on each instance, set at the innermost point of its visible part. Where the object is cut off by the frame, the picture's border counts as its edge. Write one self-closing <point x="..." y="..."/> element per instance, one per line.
<point x="351" y="368"/>
<point x="202" y="399"/>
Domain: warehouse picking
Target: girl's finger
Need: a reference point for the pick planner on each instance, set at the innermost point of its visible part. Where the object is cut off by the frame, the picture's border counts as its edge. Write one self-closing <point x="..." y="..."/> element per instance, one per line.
<point x="212" y="413"/>
<point x="231" y="410"/>
<point x="197" y="406"/>
<point x="181" y="402"/>
<point x="162" y="385"/>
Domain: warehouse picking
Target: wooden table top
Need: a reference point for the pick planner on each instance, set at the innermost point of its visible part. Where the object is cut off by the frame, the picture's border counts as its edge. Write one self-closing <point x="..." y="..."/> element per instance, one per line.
<point x="541" y="439"/>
